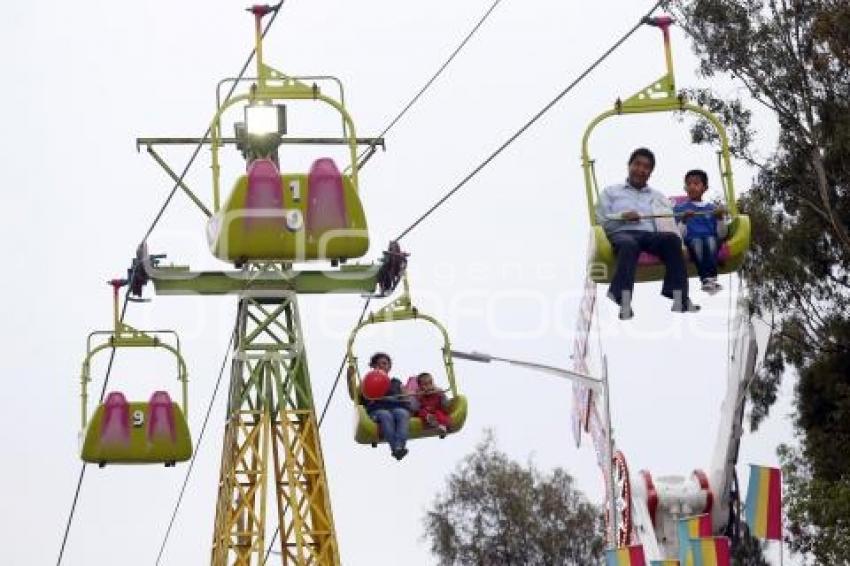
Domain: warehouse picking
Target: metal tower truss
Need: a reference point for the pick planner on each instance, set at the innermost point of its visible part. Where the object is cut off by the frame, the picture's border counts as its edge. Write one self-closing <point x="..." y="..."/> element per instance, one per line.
<point x="270" y="405"/>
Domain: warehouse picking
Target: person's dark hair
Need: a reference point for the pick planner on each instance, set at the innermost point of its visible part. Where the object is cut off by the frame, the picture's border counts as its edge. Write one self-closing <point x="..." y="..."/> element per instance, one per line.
<point x="643" y="152"/>
<point x="423" y="374"/>
<point x="373" y="361"/>
<point x="698" y="173"/>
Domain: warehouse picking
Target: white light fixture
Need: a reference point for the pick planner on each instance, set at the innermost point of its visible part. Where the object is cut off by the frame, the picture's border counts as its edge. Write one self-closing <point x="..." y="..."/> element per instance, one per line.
<point x="265" y="119"/>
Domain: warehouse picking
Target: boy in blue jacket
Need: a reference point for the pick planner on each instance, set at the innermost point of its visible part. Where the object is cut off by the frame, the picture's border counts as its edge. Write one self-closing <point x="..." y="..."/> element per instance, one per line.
<point x="702" y="227"/>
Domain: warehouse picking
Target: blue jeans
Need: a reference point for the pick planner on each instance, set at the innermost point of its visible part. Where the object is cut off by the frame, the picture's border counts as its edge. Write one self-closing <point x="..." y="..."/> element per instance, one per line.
<point x="394" y="424"/>
<point x="703" y="252"/>
<point x="667" y="246"/>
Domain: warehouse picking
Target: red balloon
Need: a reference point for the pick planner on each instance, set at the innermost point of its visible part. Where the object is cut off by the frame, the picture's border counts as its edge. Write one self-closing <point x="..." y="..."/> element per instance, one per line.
<point x="376" y="383"/>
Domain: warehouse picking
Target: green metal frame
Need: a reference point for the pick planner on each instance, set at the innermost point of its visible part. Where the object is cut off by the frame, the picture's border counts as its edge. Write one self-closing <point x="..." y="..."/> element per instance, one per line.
<point x="400" y="309"/>
<point x="271" y="406"/>
<point x="125" y="336"/>
<point x="274" y="85"/>
<point x="273" y="277"/>
<point x="660" y="96"/>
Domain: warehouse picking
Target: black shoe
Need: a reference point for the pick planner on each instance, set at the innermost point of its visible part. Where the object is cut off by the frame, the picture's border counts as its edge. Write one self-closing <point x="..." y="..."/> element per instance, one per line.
<point x="687" y="306"/>
<point x="399" y="453"/>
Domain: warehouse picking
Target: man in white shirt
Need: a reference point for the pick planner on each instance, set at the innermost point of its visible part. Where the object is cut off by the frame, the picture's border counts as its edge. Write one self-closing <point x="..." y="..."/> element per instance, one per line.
<point x="625" y="212"/>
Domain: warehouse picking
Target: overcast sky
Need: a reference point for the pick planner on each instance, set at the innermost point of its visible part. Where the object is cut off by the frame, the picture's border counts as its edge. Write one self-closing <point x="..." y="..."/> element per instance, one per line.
<point x="501" y="264"/>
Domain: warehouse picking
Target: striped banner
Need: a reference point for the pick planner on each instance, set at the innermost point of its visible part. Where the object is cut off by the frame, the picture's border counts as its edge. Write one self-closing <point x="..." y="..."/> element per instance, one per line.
<point x="625" y="556"/>
<point x="709" y="551"/>
<point x="582" y="396"/>
<point x="698" y="526"/>
<point x="764" y="502"/>
<point x="665" y="562"/>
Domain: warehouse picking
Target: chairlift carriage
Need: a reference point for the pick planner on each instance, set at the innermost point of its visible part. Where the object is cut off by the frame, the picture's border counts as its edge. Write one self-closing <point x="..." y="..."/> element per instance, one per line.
<point x="661" y="96"/>
<point x="402" y="309"/>
<point x="284" y="216"/>
<point x="641" y="509"/>
<point x="274" y="219"/>
<point x="134" y="432"/>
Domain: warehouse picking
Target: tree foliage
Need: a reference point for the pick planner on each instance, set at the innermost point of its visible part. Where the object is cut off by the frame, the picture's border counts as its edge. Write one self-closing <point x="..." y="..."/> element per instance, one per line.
<point x="793" y="56"/>
<point x="495" y="511"/>
<point x="817" y="511"/>
<point x="748" y="552"/>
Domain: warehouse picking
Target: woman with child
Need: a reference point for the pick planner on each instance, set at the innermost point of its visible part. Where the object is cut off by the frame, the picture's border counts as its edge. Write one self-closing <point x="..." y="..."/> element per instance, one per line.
<point x="392" y="409"/>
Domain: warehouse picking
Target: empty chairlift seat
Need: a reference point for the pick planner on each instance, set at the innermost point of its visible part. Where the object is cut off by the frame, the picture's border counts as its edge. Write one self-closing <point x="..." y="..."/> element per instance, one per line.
<point x="271" y="216"/>
<point x="137" y="432"/>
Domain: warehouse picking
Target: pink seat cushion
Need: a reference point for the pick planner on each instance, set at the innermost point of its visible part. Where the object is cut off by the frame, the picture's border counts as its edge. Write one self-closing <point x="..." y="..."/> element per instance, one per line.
<point x="161" y="417"/>
<point x="116" y="399"/>
<point x="115" y="428"/>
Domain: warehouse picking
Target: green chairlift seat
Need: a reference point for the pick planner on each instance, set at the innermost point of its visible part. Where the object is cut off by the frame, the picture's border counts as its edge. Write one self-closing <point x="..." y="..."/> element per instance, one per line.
<point x="154" y="431"/>
<point x="272" y="215"/>
<point x="661" y="96"/>
<point x="366" y="431"/>
<point x="730" y="256"/>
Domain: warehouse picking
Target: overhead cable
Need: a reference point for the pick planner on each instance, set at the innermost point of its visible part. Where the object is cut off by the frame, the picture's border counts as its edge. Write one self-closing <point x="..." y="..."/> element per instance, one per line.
<point x="389" y="126"/>
<point x="150" y="229"/>
<point x="197" y="449"/>
<point x="83" y="467"/>
<point x="528" y="124"/>
<point x="200" y="144"/>
<point x="430" y="81"/>
<point x="510" y="140"/>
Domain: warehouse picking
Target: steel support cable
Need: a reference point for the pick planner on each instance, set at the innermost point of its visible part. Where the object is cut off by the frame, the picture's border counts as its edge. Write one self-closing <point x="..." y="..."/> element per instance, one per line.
<point x="200" y="144"/>
<point x="392" y="123"/>
<point x="83" y="467"/>
<point x="531" y="122"/>
<point x="501" y="148"/>
<point x="430" y="81"/>
<point x="197" y="448"/>
<point x="342" y="366"/>
<point x="82" y="475"/>
<point x="156" y="220"/>
<point x="371" y="147"/>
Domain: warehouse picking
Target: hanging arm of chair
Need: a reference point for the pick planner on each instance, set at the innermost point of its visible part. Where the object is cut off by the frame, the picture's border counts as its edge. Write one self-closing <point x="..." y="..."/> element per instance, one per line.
<point x="674" y="215"/>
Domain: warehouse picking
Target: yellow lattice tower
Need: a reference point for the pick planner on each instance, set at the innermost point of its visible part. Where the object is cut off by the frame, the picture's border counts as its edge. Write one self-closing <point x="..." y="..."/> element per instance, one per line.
<point x="271" y="403"/>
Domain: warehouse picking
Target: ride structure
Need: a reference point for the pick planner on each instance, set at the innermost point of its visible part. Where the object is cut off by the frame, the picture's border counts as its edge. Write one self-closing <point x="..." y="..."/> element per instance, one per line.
<point x="273" y="219"/>
<point x="270" y="220"/>
<point x="401" y="309"/>
<point x="136" y="432"/>
<point x="648" y="509"/>
<point x="661" y="96"/>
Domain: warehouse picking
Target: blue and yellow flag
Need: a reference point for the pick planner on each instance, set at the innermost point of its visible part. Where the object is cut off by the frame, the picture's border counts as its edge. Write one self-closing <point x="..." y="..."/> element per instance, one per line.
<point x="764" y="503"/>
<point x="625" y="556"/>
<point x="710" y="551"/>
<point x="689" y="528"/>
